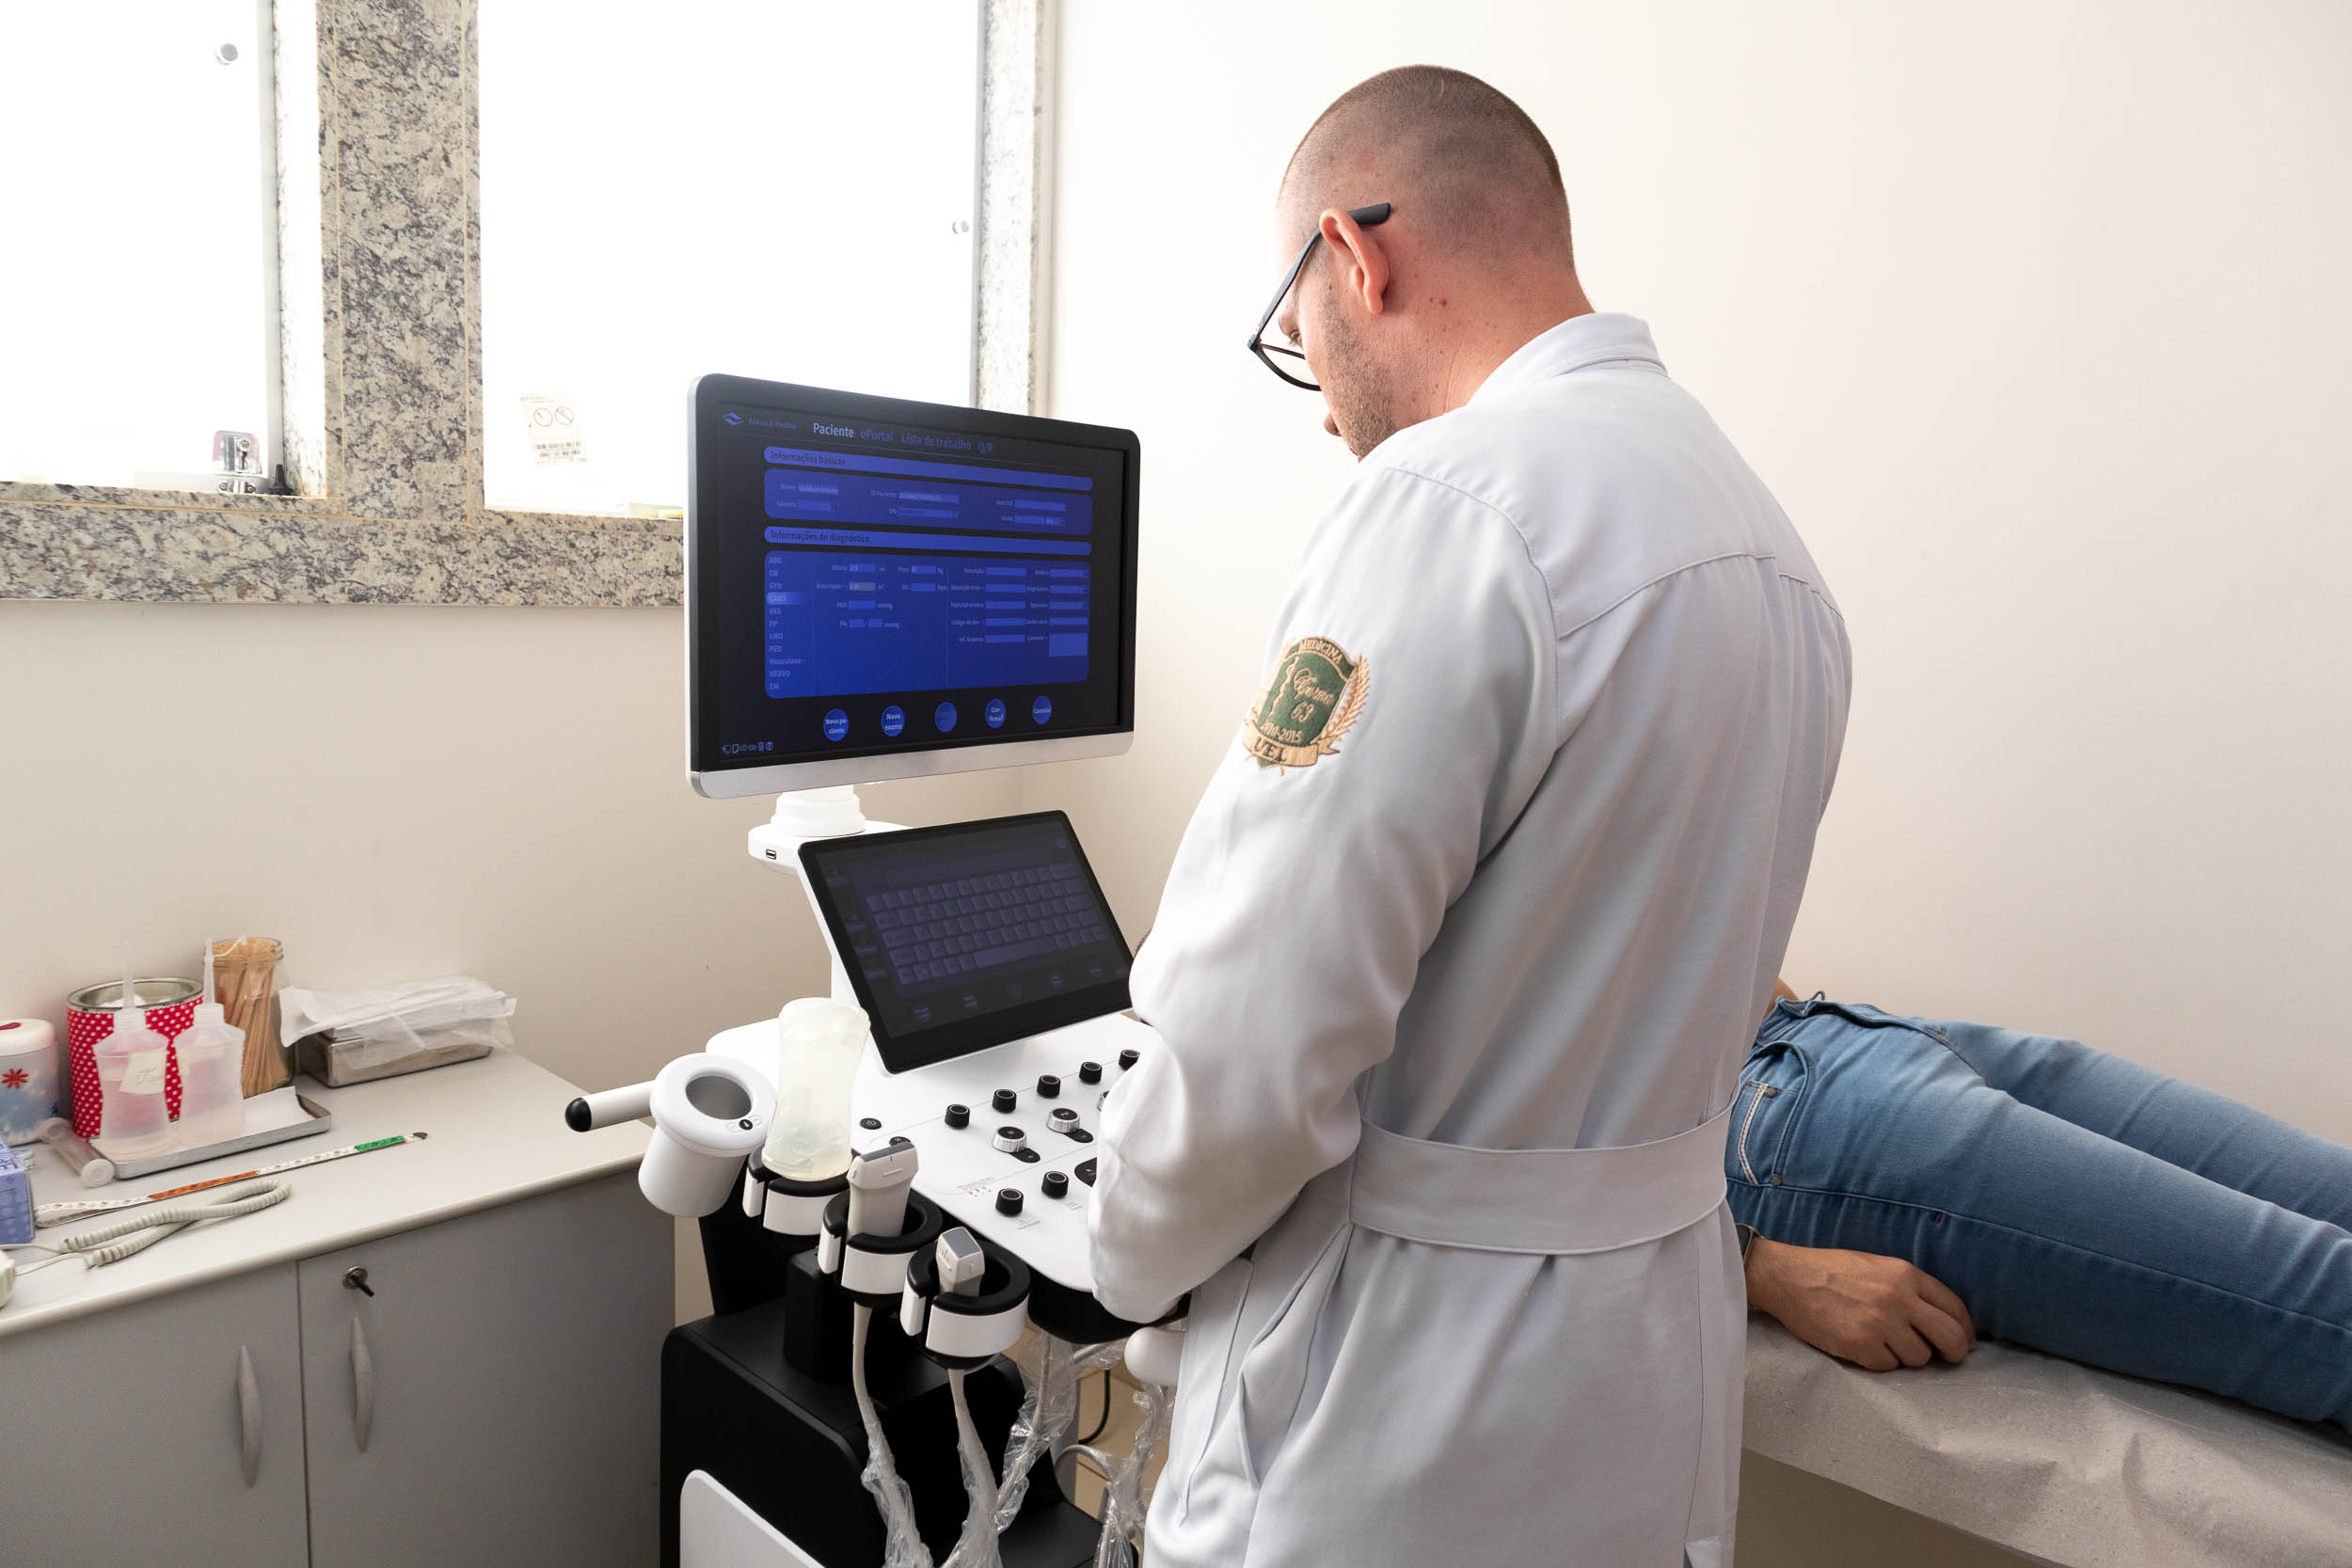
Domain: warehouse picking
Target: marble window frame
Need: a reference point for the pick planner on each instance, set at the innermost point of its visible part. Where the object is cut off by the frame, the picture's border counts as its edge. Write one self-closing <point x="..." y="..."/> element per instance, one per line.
<point x="380" y="322"/>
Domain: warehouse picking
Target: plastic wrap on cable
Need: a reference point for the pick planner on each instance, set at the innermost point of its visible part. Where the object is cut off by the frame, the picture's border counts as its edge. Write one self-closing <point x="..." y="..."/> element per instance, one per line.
<point x="976" y="1546"/>
<point x="1124" y="1494"/>
<point x="902" y="1545"/>
<point x="1050" y="1372"/>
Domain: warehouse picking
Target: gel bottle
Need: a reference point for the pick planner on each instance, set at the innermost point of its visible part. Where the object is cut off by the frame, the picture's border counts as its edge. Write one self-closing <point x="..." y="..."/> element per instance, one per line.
<point x="133" y="1119"/>
<point x="212" y="1077"/>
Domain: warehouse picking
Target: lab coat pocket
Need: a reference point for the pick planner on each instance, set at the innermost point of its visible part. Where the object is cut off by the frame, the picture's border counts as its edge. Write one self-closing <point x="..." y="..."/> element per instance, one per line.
<point x="1214" y="1325"/>
<point x="1275" y="1370"/>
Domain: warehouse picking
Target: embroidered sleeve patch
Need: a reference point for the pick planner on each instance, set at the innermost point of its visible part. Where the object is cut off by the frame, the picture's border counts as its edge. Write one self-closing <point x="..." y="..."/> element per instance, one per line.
<point x="1315" y="695"/>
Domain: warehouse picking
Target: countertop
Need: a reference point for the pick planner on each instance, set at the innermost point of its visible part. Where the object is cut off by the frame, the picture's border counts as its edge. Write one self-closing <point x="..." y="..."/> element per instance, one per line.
<point x="494" y="1134"/>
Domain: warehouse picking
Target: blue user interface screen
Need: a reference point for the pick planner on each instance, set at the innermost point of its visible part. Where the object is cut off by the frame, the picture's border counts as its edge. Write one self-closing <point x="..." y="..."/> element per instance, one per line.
<point x="873" y="585"/>
<point x="969" y="931"/>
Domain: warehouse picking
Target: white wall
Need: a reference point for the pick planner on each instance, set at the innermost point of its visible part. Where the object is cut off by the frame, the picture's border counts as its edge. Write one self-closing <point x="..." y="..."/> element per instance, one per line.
<point x="2033" y="317"/>
<point x="397" y="793"/>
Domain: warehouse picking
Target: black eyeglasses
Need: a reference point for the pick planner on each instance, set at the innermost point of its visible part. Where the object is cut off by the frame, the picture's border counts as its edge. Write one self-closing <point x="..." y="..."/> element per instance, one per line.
<point x="1365" y="216"/>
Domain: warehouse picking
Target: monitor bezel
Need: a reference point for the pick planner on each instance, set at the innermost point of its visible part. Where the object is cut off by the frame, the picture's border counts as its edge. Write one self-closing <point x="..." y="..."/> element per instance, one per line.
<point x="944" y="1042"/>
<point x="717" y="780"/>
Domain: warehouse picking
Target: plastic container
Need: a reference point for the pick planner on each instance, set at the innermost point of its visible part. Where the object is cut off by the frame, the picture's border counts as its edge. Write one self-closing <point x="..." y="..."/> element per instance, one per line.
<point x="212" y="1078"/>
<point x="818" y="1044"/>
<point x="132" y="1061"/>
<point x="28" y="1078"/>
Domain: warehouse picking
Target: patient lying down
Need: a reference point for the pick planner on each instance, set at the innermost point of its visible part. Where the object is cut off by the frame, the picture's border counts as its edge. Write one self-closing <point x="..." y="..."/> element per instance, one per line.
<point x="1912" y="1182"/>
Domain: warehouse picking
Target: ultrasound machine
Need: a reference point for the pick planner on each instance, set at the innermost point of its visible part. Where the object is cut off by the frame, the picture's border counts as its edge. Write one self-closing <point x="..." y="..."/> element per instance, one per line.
<point x="879" y="589"/>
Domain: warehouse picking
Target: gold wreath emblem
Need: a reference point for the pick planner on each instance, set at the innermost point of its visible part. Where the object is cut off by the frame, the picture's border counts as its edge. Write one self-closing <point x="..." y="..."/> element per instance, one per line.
<point x="1313" y="697"/>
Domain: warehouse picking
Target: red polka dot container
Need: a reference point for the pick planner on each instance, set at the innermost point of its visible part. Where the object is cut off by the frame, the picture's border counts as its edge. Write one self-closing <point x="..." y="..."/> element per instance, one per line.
<point x="89" y="1016"/>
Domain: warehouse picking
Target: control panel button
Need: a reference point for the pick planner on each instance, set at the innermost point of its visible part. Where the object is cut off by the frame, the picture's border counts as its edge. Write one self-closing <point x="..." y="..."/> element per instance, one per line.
<point x="1011" y="1140"/>
<point x="1048" y="1085"/>
<point x="959" y="1116"/>
<point x="1080" y="1135"/>
<point x="1085" y="1172"/>
<point x="1054" y="1185"/>
<point x="1129" y="1057"/>
<point x="1063" y="1119"/>
<point x="1089" y="1072"/>
<point x="1009" y="1200"/>
<point x="872" y="1124"/>
<point x="1004" y="1100"/>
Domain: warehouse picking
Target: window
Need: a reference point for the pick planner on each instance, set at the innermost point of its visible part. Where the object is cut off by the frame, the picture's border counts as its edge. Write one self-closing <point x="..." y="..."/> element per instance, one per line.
<point x="140" y="268"/>
<point x="763" y="187"/>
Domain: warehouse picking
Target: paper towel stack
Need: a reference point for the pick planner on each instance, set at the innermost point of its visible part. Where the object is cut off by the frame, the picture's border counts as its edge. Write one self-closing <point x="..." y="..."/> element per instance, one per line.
<point x="350" y="1037"/>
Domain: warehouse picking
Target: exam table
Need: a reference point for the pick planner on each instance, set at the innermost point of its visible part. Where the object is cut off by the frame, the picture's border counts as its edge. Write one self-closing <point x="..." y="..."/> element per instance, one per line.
<point x="2058" y="1461"/>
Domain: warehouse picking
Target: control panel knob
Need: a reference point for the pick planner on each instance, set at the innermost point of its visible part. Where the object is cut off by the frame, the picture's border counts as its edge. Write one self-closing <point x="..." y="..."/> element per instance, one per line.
<point x="1047" y="1085"/>
<point x="1063" y="1119"/>
<point x="1055" y="1183"/>
<point x="1004" y="1100"/>
<point x="1011" y="1140"/>
<point x="1129" y="1057"/>
<point x="1089" y="1072"/>
<point x="1009" y="1200"/>
<point x="959" y="1116"/>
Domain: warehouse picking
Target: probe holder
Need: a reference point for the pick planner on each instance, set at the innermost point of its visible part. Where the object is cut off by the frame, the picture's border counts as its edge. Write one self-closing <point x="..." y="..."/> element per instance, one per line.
<point x="784" y="1206"/>
<point x="963" y="1331"/>
<point x="873" y="1269"/>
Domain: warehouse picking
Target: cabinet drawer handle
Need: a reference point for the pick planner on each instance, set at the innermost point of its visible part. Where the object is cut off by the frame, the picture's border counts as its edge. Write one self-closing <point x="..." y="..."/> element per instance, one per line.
<point x="363" y="1386"/>
<point x="248" y="1416"/>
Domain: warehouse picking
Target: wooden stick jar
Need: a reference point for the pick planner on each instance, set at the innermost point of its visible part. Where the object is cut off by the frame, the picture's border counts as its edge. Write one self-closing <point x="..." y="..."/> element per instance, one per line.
<point x="244" y="983"/>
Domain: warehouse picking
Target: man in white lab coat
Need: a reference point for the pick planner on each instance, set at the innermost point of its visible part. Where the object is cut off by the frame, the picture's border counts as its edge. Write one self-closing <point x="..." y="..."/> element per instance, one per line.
<point x="1459" y="956"/>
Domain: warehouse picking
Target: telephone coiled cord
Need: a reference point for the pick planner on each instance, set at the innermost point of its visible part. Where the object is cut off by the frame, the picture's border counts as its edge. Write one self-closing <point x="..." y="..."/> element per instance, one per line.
<point x="123" y="1238"/>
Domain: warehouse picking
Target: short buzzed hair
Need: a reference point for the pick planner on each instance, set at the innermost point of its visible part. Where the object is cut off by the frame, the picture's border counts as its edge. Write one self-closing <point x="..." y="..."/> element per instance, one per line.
<point x="1477" y="169"/>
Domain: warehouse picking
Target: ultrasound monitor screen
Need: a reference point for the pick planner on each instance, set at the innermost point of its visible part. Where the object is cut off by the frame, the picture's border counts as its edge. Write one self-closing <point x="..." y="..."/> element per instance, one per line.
<point x="967" y="936"/>
<point x="871" y="576"/>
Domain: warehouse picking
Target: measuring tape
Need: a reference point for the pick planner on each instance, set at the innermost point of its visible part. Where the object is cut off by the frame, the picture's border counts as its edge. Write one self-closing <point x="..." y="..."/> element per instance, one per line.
<point x="60" y="1214"/>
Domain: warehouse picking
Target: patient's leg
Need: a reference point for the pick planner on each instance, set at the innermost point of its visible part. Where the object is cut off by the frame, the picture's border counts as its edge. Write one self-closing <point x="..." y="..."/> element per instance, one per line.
<point x="2178" y="1123"/>
<point x="1880" y="1138"/>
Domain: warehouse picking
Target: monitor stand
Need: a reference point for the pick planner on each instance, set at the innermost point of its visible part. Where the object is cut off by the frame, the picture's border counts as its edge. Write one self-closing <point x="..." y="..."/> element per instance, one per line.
<point x="802" y="814"/>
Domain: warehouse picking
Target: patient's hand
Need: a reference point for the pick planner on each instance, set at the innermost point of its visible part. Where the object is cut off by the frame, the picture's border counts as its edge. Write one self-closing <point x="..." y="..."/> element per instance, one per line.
<point x="1879" y="1312"/>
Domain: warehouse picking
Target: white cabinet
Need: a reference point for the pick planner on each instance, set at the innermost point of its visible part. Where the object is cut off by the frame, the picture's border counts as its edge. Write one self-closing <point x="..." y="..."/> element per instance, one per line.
<point x="123" y="1435"/>
<point x="513" y="1346"/>
<point x="507" y="1372"/>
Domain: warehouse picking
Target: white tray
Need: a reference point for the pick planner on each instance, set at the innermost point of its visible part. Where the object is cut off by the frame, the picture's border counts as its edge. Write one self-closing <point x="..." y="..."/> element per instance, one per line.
<point x="270" y="1118"/>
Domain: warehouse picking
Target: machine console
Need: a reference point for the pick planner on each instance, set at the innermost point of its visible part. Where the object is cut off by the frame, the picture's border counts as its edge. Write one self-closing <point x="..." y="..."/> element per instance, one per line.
<point x="995" y="982"/>
<point x="1022" y="1176"/>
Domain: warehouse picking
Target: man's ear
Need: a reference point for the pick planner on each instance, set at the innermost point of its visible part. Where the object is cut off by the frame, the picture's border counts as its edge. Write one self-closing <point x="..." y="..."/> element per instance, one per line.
<point x="1362" y="259"/>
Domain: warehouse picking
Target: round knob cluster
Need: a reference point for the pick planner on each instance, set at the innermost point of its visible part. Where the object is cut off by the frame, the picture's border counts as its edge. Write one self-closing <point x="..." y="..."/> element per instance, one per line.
<point x="1047" y="1085"/>
<point x="1011" y="1140"/>
<point x="1089" y="1072"/>
<point x="1004" y="1100"/>
<point x="1055" y="1183"/>
<point x="1129" y="1057"/>
<point x="959" y="1116"/>
<point x="1009" y="1200"/>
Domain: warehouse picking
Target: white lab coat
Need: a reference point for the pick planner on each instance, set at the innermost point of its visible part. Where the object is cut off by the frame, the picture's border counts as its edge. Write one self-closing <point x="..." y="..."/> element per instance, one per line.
<point x="1531" y="895"/>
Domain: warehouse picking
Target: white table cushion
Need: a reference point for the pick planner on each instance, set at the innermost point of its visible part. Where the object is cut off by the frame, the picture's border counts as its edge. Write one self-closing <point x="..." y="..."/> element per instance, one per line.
<point x="2058" y="1461"/>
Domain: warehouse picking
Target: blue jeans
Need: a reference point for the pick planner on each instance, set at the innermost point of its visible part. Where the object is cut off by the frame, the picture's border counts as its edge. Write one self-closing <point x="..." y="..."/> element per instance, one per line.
<point x="2078" y="1204"/>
